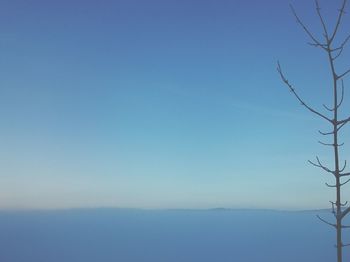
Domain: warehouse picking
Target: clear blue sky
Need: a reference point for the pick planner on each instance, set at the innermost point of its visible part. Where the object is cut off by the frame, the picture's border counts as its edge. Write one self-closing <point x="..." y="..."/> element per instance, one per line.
<point x="159" y="104"/>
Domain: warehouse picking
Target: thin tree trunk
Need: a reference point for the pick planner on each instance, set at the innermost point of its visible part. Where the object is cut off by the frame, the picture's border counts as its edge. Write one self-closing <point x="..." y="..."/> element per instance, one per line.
<point x="333" y="53"/>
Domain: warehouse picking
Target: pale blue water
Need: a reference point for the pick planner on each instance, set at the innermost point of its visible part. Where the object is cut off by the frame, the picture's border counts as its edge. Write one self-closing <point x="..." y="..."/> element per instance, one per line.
<point x="102" y="235"/>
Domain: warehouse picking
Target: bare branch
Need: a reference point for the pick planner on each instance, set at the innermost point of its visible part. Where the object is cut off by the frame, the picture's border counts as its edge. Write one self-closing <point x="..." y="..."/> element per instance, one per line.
<point x="344" y="42"/>
<point x="344" y="213"/>
<point x="319" y="164"/>
<point x="343" y="168"/>
<point x="318" y="9"/>
<point x="341" y="204"/>
<point x="341" y="12"/>
<point x="339" y="53"/>
<point x="326" y="133"/>
<point x="313" y="44"/>
<point x="324" y="221"/>
<point x="344" y="174"/>
<point x="343" y="74"/>
<point x="285" y="80"/>
<point x="340" y="48"/>
<point x="333" y="209"/>
<point x="347" y="181"/>
<point x="325" y="144"/>
<point x="329" y="109"/>
<point x="342" y="123"/>
<point x="342" y="245"/>
<point x="316" y="43"/>
<point x="342" y="94"/>
<point x="341" y="184"/>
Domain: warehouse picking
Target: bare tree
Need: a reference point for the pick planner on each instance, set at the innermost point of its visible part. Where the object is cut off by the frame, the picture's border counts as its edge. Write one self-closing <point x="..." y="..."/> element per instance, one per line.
<point x="331" y="115"/>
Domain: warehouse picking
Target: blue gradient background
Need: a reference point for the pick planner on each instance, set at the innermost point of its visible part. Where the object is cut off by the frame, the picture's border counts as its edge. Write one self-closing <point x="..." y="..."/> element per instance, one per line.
<point x="160" y="104"/>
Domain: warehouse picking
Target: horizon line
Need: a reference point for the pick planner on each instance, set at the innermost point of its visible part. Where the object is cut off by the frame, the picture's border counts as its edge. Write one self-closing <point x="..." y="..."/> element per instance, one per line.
<point x="162" y="209"/>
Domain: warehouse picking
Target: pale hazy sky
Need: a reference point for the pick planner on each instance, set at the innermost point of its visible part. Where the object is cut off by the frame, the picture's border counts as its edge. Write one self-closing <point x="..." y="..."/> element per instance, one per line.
<point x="160" y="104"/>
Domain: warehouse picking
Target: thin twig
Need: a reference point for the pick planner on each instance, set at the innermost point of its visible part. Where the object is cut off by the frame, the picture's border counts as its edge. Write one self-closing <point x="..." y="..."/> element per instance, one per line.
<point x="318" y="9"/>
<point x="285" y="80"/>
<point x="316" y="42"/>
<point x="326" y="133"/>
<point x="343" y="168"/>
<point x="340" y="48"/>
<point x="320" y="165"/>
<point x="341" y="12"/>
<point x="324" y="221"/>
<point x="343" y="74"/>
<point x="340" y="184"/>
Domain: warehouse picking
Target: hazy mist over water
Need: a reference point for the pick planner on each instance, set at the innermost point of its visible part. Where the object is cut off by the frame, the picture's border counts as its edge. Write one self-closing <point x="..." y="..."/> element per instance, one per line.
<point x="94" y="235"/>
